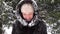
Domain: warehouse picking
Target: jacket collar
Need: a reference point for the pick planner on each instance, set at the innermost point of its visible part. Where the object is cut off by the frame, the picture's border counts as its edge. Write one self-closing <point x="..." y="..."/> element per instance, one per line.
<point x="24" y="23"/>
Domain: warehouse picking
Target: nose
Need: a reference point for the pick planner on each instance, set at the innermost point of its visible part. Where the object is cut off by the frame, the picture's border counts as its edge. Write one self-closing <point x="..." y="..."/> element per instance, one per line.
<point x="28" y="17"/>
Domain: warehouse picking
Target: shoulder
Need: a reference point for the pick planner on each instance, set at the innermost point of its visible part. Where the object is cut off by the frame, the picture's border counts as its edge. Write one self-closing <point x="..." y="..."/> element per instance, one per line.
<point x="42" y="24"/>
<point x="42" y="27"/>
<point x="17" y="24"/>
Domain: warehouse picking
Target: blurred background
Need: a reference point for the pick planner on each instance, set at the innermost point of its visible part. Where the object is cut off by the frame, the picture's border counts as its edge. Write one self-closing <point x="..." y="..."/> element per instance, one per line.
<point x="49" y="10"/>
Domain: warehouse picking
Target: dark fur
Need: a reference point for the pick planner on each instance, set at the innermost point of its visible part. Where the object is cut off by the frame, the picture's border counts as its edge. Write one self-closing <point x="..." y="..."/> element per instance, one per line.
<point x="40" y="28"/>
<point x="18" y="28"/>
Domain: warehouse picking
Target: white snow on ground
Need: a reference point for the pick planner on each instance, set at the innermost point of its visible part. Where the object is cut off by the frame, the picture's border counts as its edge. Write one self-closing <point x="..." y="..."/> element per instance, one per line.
<point x="7" y="30"/>
<point x="49" y="28"/>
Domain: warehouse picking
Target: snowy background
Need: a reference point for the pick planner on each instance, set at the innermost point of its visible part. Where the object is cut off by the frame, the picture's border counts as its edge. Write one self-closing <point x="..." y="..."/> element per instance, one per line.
<point x="49" y="10"/>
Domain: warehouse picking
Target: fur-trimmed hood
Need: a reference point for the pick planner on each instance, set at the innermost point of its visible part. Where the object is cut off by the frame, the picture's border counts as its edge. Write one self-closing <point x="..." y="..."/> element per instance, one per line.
<point x="18" y="10"/>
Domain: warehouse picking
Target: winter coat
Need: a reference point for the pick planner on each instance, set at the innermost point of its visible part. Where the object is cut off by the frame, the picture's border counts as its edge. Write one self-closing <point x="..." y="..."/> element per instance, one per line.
<point x="39" y="28"/>
<point x="36" y="26"/>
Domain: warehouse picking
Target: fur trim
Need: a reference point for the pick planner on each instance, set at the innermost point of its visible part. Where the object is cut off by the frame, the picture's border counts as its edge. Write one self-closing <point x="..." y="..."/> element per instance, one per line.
<point x="24" y="23"/>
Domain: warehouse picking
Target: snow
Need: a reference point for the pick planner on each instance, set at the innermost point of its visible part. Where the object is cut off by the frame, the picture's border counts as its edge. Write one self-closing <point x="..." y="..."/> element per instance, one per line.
<point x="7" y="30"/>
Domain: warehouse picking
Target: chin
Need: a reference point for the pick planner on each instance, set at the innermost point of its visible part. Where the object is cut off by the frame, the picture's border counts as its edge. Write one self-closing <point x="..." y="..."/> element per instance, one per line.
<point x="28" y="20"/>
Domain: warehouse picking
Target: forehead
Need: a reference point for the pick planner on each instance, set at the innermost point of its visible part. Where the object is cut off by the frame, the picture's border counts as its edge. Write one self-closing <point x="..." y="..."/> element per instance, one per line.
<point x="27" y="8"/>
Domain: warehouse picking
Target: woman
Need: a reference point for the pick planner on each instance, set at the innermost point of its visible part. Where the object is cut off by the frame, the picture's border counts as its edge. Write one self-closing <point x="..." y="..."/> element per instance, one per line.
<point x="27" y="19"/>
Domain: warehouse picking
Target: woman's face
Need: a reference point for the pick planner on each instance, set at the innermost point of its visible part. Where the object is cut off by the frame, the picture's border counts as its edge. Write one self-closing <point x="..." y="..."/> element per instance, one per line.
<point x="27" y="11"/>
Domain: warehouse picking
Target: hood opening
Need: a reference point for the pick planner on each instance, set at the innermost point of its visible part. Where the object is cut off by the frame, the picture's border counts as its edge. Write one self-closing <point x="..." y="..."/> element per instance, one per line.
<point x="33" y="3"/>
<point x="20" y="5"/>
<point x="20" y="16"/>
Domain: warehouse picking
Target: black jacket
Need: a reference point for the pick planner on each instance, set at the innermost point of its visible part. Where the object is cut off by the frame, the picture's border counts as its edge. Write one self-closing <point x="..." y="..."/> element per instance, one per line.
<point x="40" y="28"/>
<point x="20" y="28"/>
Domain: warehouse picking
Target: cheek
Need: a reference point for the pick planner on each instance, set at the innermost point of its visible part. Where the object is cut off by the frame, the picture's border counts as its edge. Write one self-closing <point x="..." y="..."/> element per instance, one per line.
<point x="31" y="16"/>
